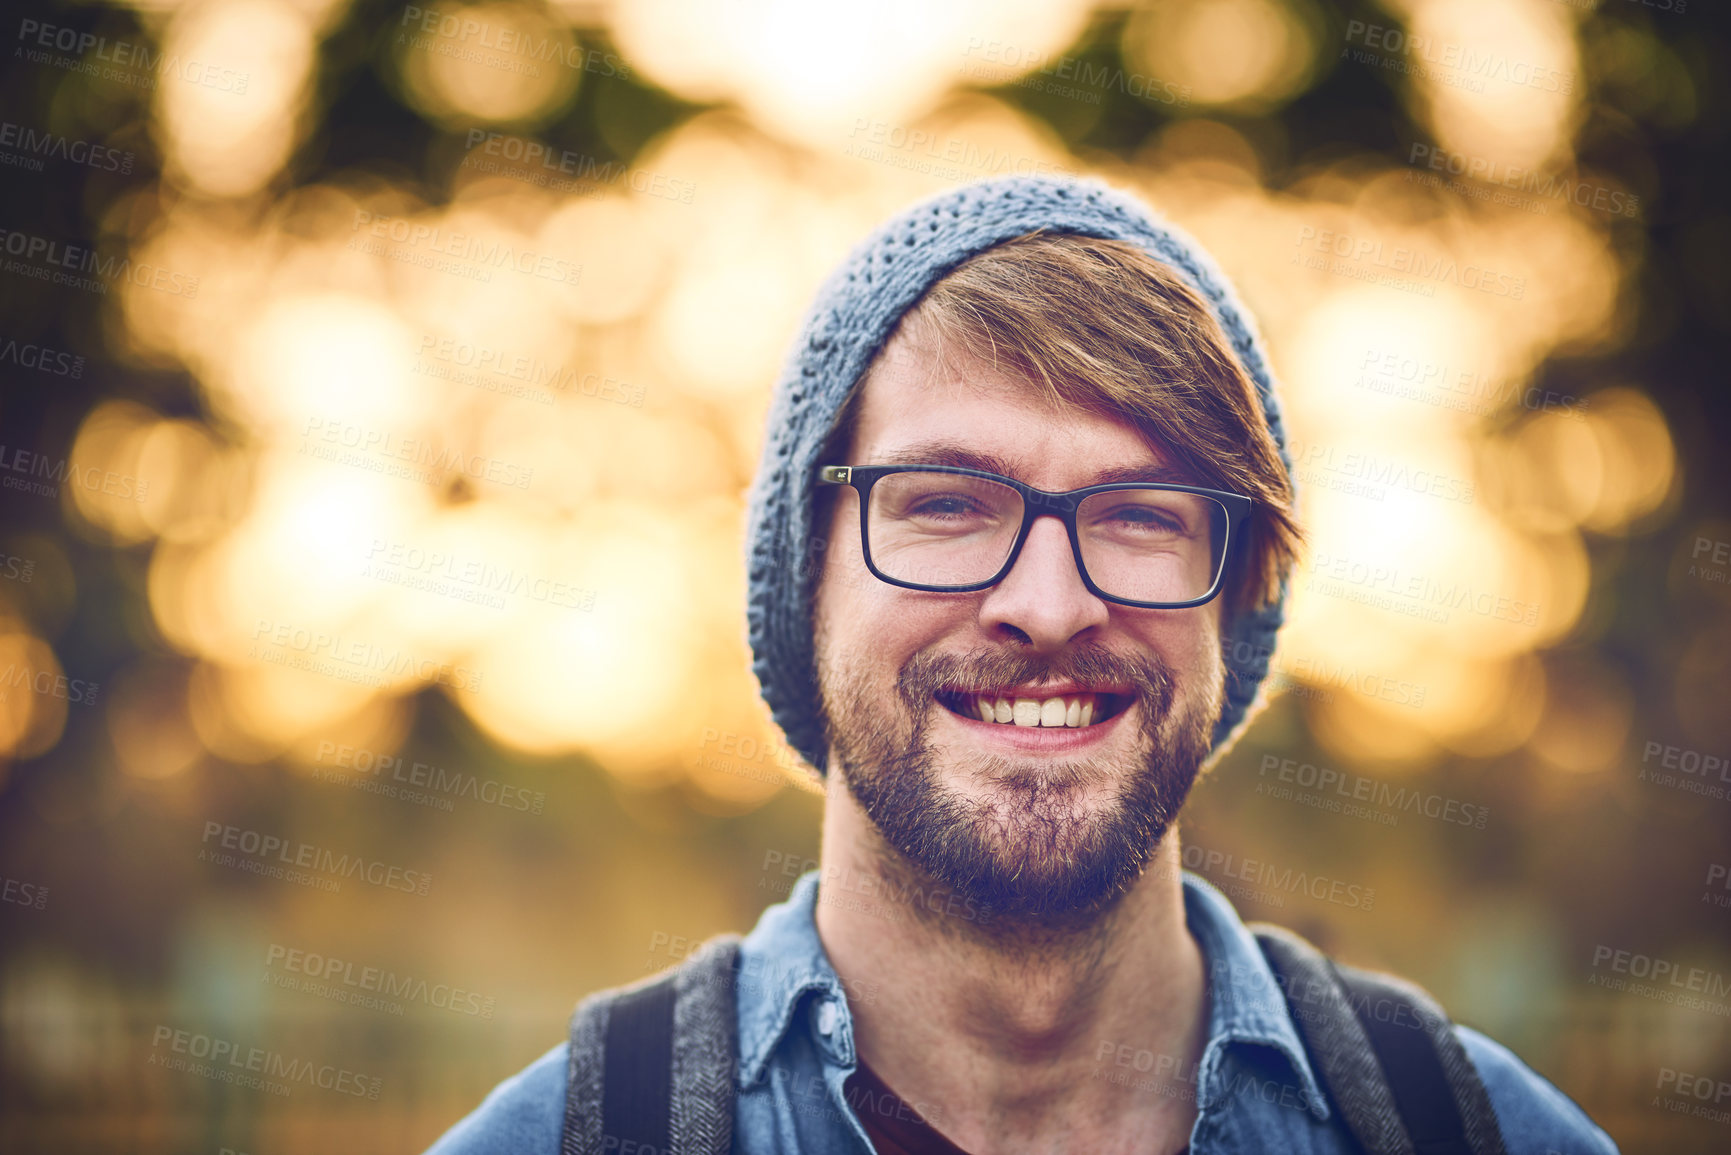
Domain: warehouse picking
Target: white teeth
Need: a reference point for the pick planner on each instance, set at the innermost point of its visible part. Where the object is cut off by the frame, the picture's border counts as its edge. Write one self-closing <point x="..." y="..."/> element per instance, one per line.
<point x="1066" y="711"/>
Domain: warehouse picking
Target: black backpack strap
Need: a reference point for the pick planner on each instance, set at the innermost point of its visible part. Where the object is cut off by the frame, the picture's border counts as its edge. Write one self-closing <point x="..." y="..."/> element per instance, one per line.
<point x="652" y="1064"/>
<point x="1386" y="1054"/>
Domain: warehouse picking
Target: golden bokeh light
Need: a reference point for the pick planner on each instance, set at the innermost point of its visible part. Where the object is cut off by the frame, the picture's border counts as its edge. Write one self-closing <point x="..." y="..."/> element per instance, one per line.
<point x="224" y="731"/>
<point x="489" y="63"/>
<point x="1505" y="700"/>
<point x="304" y="359"/>
<point x="818" y="73"/>
<point x="196" y="482"/>
<point x="1639" y="459"/>
<point x="34" y="693"/>
<point x="622" y="252"/>
<point x="381" y="723"/>
<point x="108" y="488"/>
<point x="228" y="111"/>
<point x="1245" y="55"/>
<point x="1497" y="81"/>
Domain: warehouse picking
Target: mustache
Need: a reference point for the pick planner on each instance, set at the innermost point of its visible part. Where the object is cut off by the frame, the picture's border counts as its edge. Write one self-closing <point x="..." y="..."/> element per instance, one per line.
<point x="926" y="673"/>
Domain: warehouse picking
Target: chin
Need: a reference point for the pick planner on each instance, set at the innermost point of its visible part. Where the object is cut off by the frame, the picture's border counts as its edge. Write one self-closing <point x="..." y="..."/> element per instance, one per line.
<point x="1039" y="788"/>
<point x="1040" y="841"/>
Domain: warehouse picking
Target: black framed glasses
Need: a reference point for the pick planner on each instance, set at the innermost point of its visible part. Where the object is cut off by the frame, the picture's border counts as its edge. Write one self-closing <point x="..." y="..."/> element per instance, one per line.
<point x="950" y="530"/>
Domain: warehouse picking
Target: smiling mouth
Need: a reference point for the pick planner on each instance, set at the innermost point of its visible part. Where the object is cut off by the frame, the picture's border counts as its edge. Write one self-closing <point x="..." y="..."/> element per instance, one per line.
<point x="1071" y="711"/>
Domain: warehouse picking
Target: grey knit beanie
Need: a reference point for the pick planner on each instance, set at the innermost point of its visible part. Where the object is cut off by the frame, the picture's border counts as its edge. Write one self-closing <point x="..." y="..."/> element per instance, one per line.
<point x="853" y="315"/>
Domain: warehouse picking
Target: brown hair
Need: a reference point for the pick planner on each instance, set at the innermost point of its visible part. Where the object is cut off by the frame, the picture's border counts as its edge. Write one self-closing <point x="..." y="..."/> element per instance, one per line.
<point x="1103" y="325"/>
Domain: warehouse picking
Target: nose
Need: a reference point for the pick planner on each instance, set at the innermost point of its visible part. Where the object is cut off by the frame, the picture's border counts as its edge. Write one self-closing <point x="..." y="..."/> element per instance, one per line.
<point x="1042" y="602"/>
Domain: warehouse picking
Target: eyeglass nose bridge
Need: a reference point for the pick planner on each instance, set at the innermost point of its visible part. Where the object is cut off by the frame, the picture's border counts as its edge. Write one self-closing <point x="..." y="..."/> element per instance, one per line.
<point x="1053" y="508"/>
<point x="1057" y="503"/>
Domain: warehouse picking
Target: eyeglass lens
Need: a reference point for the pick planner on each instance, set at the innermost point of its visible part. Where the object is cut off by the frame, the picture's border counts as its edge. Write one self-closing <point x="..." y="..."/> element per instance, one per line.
<point x="949" y="529"/>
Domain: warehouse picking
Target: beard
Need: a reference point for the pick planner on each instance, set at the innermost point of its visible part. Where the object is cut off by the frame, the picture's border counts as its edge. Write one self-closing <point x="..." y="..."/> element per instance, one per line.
<point x="1033" y="847"/>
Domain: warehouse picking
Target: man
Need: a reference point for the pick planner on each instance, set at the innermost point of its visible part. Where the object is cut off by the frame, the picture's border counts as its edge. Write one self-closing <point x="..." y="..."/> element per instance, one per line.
<point x="1011" y="694"/>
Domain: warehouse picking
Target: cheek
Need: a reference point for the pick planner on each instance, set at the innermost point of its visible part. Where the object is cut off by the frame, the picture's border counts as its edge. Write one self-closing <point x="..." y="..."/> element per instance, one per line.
<point x="836" y="596"/>
<point x="1208" y="658"/>
<point x="851" y="614"/>
<point x="1189" y="642"/>
<point x="1208" y="634"/>
<point x="871" y="627"/>
<point x="871" y="621"/>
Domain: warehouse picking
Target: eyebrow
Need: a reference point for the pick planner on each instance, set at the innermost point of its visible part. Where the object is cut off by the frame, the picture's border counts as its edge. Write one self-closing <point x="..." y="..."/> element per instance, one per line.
<point x="955" y="456"/>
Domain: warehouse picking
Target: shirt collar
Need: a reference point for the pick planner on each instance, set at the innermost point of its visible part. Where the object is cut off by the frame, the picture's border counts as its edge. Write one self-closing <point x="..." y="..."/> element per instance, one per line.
<point x="1245" y="1001"/>
<point x="782" y="960"/>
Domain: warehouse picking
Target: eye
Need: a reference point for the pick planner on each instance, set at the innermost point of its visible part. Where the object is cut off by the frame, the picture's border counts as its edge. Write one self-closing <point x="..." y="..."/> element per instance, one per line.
<point x="944" y="505"/>
<point x="1143" y="518"/>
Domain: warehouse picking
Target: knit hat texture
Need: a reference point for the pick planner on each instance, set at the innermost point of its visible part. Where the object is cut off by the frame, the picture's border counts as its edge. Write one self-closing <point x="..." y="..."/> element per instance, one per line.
<point x="854" y="313"/>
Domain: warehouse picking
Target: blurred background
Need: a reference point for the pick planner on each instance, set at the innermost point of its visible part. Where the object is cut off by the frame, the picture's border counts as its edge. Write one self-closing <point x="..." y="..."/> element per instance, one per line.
<point x="381" y="382"/>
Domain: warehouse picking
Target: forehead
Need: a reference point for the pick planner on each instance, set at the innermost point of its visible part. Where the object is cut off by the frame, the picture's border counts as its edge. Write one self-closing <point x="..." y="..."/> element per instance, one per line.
<point x="917" y="408"/>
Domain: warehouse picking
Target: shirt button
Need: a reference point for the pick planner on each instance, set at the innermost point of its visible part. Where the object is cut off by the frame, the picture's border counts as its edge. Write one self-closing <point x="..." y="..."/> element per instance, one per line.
<point x="827" y="1017"/>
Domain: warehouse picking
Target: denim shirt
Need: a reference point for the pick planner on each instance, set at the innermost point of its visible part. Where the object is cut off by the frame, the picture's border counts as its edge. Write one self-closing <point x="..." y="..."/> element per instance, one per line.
<point x="1254" y="1087"/>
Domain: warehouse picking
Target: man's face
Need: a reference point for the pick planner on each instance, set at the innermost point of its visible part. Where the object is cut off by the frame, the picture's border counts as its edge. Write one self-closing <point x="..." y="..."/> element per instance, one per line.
<point x="1040" y="824"/>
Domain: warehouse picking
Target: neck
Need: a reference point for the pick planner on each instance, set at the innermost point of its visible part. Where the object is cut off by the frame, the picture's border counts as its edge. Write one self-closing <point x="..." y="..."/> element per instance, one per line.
<point x="1012" y="1033"/>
